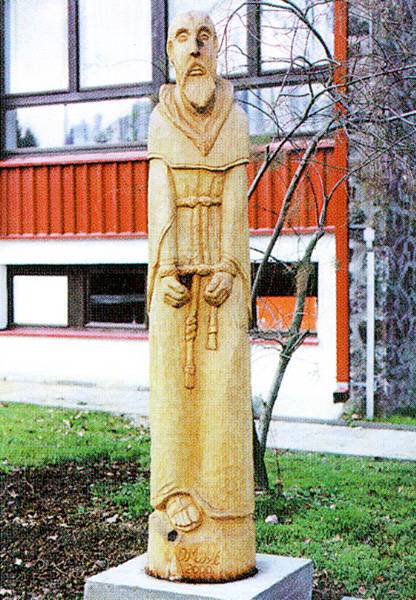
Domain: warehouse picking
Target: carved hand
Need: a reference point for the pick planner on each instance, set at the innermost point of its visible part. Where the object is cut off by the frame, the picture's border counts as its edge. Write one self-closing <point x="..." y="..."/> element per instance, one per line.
<point x="174" y="293"/>
<point x="219" y="288"/>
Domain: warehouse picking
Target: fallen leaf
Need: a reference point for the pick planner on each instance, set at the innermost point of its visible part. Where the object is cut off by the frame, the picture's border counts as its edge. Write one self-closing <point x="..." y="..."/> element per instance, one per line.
<point x="101" y="564"/>
<point x="271" y="519"/>
<point x="112" y="519"/>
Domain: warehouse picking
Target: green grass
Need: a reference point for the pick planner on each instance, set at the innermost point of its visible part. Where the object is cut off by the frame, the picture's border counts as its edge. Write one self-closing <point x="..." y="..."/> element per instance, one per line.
<point x="399" y="420"/>
<point x="33" y="435"/>
<point x="131" y="500"/>
<point x="402" y="417"/>
<point x="355" y="518"/>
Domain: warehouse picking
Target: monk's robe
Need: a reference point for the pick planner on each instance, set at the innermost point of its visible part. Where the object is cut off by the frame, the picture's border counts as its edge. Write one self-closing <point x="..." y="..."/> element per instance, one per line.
<point x="200" y="411"/>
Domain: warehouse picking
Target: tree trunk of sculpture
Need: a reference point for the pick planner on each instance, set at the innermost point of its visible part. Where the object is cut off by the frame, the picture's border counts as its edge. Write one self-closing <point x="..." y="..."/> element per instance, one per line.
<point x="202" y="482"/>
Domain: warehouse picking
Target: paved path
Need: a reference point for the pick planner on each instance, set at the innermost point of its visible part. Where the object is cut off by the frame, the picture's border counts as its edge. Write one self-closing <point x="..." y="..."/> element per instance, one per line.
<point x="288" y="435"/>
<point x="354" y="441"/>
<point x="122" y="401"/>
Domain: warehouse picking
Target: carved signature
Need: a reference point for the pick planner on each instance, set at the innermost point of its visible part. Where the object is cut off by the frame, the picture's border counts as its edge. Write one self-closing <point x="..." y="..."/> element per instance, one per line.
<point x="198" y="557"/>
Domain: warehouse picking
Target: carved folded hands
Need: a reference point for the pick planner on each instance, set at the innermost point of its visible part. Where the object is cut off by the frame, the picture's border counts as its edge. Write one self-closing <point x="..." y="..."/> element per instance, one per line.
<point x="174" y="292"/>
<point x="216" y="292"/>
<point x="219" y="288"/>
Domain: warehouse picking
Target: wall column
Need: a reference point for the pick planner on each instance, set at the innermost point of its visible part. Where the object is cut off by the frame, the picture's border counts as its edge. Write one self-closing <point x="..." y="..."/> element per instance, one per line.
<point x="3" y="296"/>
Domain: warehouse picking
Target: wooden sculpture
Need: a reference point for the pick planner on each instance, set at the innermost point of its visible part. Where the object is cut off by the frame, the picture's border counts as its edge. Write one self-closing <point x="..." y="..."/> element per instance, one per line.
<point x="199" y="303"/>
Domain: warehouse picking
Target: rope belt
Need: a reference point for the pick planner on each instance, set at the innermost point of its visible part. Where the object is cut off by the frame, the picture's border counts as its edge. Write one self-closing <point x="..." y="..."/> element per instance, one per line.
<point x="191" y="329"/>
<point x="192" y="201"/>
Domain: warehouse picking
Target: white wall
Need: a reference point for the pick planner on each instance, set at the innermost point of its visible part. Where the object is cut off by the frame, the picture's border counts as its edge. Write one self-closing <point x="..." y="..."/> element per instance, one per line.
<point x="73" y="252"/>
<point x="100" y="361"/>
<point x="3" y="296"/>
<point x="311" y="376"/>
<point x="310" y="380"/>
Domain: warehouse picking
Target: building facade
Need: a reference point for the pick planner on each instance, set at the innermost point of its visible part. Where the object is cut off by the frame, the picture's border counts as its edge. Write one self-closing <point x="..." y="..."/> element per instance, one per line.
<point x="79" y="80"/>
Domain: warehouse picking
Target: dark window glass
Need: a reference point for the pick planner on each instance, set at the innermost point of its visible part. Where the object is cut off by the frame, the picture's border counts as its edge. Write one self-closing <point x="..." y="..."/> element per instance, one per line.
<point x="115" y="42"/>
<point x="77" y="295"/>
<point x="276" y="298"/>
<point x="36" y="34"/>
<point x="109" y="122"/>
<point x="116" y="298"/>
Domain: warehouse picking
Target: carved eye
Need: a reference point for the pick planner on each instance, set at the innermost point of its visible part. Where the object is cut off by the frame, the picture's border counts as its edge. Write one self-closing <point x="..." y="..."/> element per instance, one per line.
<point x="182" y="37"/>
<point x="204" y="36"/>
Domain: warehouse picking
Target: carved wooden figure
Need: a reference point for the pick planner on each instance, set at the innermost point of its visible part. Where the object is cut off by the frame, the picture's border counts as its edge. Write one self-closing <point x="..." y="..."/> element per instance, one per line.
<point x="199" y="302"/>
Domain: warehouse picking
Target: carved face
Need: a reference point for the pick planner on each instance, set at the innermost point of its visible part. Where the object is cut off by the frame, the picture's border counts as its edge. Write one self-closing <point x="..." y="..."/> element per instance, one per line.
<point x="192" y="49"/>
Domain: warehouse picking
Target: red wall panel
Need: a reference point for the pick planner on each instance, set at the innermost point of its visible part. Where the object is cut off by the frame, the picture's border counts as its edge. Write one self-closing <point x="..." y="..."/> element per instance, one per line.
<point x="106" y="195"/>
<point x="109" y="197"/>
<point x="96" y="201"/>
<point x="266" y="202"/>
<point x="56" y="216"/>
<point x="78" y="199"/>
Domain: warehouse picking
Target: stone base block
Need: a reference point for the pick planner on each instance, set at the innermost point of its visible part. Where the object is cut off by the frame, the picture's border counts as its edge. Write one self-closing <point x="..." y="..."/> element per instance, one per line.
<point x="277" y="578"/>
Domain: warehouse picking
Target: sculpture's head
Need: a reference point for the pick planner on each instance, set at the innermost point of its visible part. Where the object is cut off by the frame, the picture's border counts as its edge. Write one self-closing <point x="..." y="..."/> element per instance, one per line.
<point x="192" y="49"/>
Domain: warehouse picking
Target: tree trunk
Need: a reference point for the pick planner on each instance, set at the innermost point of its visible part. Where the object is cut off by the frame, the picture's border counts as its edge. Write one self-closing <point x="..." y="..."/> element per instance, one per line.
<point x="260" y="473"/>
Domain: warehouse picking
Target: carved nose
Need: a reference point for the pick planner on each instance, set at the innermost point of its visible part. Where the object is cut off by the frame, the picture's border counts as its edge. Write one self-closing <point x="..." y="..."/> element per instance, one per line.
<point x="196" y="49"/>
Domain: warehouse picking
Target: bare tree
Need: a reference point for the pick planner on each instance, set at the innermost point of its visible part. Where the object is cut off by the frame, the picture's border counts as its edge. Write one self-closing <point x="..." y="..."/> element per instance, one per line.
<point x="370" y="99"/>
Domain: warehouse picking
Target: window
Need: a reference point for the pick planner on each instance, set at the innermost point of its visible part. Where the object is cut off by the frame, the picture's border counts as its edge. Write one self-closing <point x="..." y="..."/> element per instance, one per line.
<point x="116" y="297"/>
<point x="78" y="73"/>
<point x="287" y="40"/>
<point x="85" y="73"/>
<point x="272" y="111"/>
<point x="115" y="45"/>
<point x="36" y="46"/>
<point x="40" y="300"/>
<point x="276" y="298"/>
<point x="77" y="296"/>
<point x="81" y="124"/>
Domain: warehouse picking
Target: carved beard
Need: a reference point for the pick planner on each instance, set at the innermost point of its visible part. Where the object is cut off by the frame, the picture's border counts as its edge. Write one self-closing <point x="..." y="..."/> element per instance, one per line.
<point x="199" y="91"/>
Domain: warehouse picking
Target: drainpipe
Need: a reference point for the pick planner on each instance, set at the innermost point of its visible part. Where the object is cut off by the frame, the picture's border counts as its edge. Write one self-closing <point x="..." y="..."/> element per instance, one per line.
<point x="369" y="235"/>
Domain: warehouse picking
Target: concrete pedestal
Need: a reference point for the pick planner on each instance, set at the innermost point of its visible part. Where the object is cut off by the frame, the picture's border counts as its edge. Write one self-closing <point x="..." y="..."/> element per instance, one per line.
<point x="278" y="578"/>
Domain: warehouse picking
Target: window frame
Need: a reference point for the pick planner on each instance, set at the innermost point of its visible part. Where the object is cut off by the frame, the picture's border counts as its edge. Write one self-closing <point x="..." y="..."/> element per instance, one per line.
<point x="78" y="293"/>
<point x="265" y="290"/>
<point x="253" y="78"/>
<point x="89" y="323"/>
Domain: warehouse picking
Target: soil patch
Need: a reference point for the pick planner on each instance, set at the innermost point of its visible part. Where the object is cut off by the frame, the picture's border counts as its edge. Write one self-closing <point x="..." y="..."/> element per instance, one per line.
<point x="53" y="533"/>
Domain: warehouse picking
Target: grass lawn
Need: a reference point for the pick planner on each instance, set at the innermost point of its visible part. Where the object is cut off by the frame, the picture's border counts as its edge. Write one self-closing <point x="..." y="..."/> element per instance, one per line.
<point x="32" y="435"/>
<point x="406" y="416"/>
<point x="355" y="518"/>
<point x="399" y="420"/>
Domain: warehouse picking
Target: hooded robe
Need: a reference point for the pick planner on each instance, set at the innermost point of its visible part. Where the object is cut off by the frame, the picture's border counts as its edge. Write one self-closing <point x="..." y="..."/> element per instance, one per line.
<point x="200" y="411"/>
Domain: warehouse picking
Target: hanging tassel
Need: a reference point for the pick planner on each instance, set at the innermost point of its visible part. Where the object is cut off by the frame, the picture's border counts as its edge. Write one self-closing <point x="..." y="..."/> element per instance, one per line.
<point x="212" y="342"/>
<point x="191" y="327"/>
